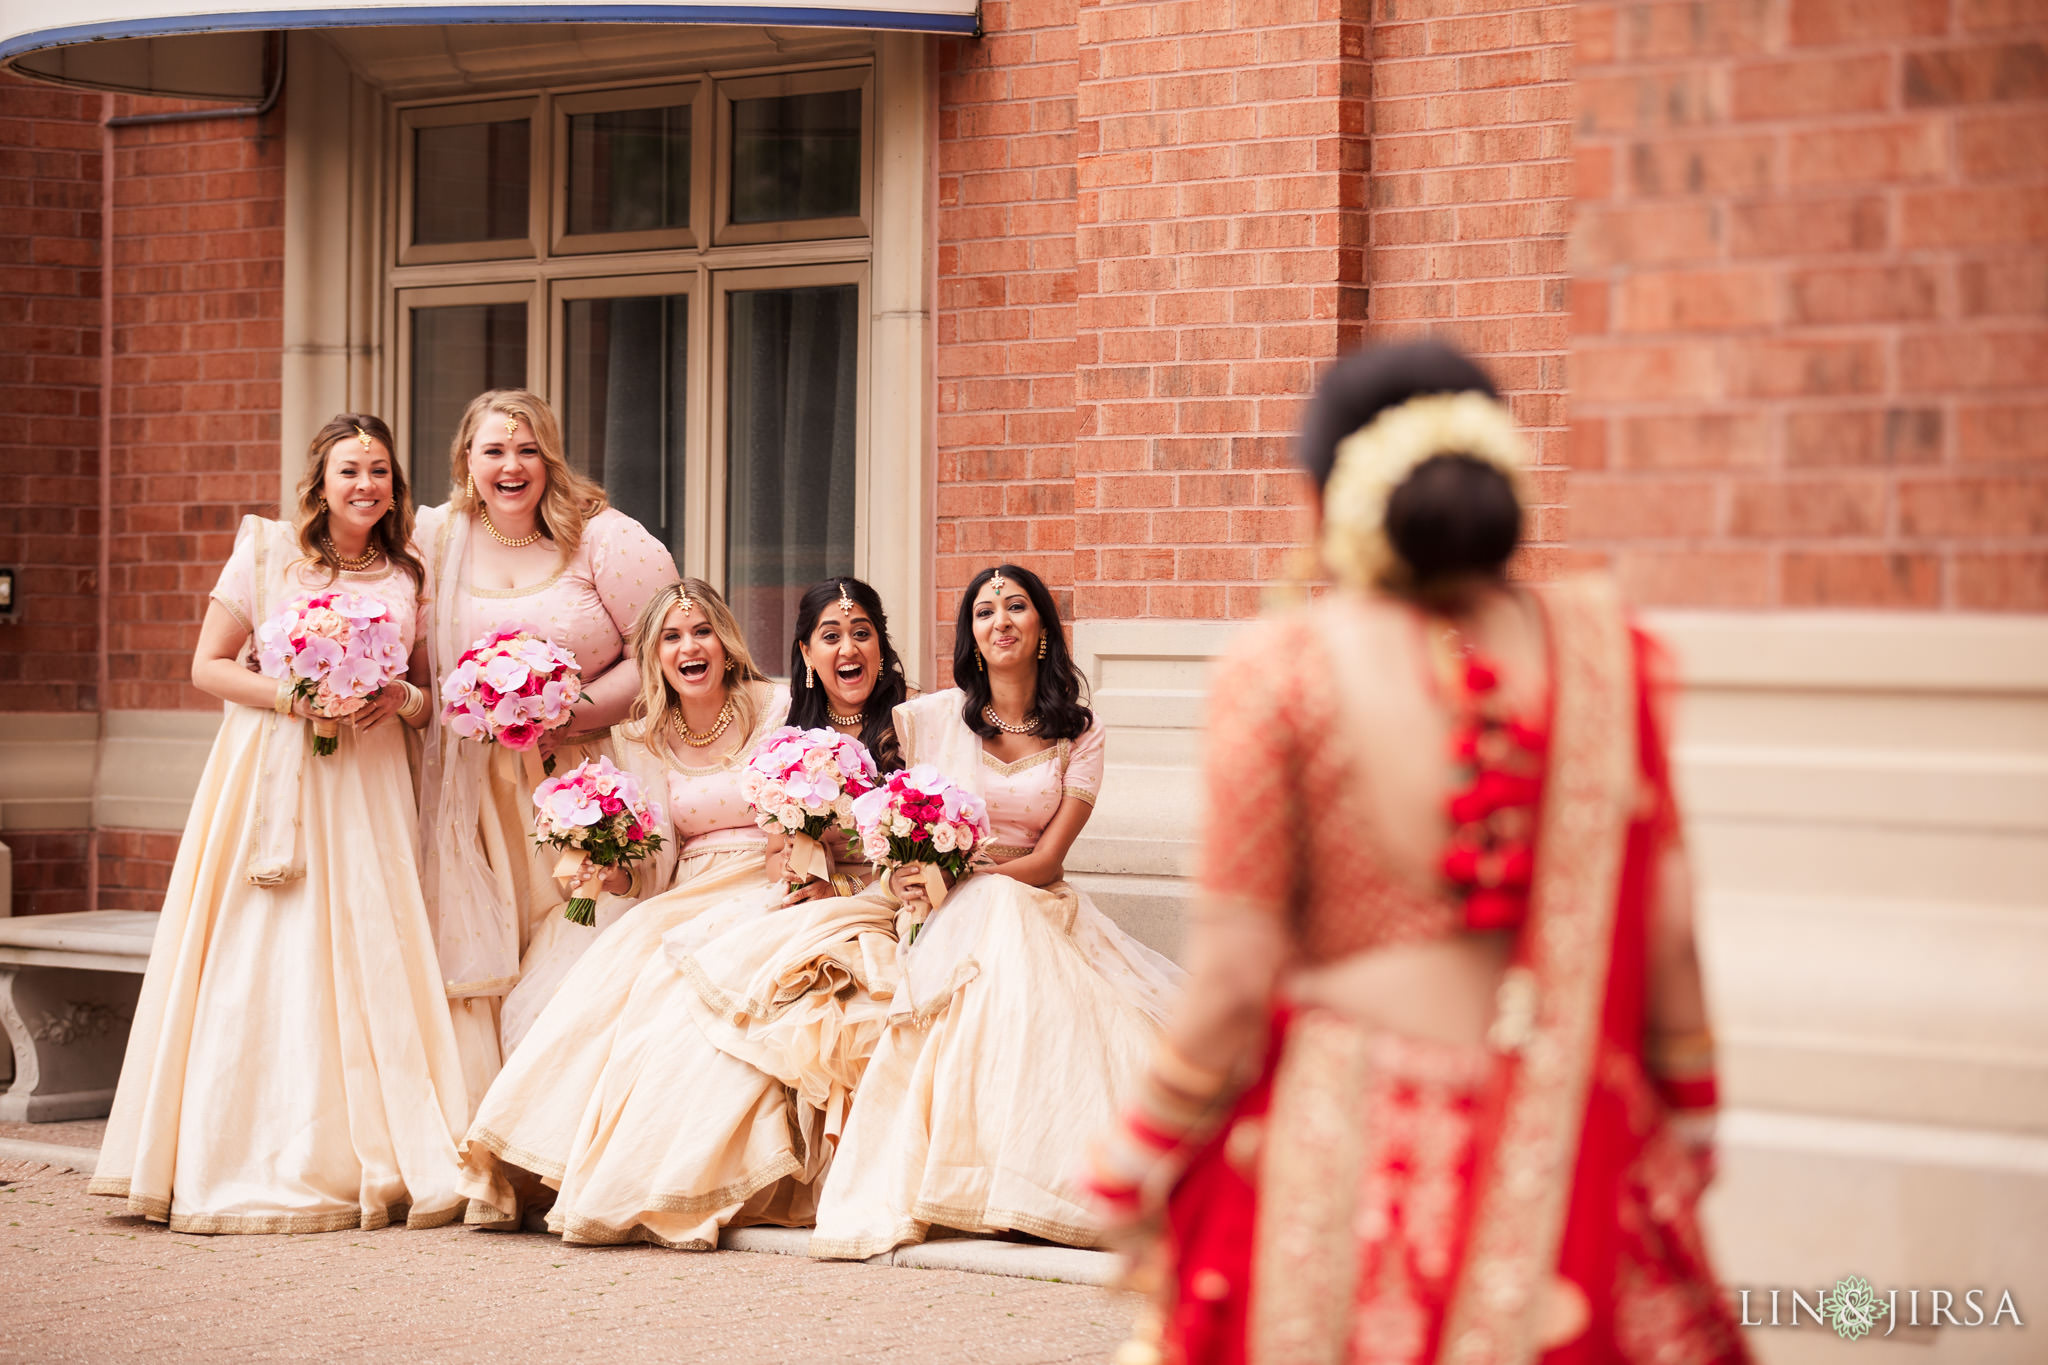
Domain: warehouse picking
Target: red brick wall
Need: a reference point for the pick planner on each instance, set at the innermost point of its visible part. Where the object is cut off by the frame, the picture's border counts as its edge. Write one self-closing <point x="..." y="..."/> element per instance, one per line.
<point x="135" y="867"/>
<point x="1471" y="192"/>
<point x="1810" y="361"/>
<point x="49" y="394"/>
<point x="49" y="870"/>
<point x="1220" y="237"/>
<point x="1005" y="343"/>
<point x="1220" y="255"/>
<point x="198" y="309"/>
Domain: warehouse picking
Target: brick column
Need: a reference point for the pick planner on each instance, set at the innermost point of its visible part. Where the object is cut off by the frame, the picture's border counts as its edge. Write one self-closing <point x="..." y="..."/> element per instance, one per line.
<point x="1005" y="346"/>
<point x="1220" y="254"/>
<point x="1472" y="204"/>
<point x="1811" y="344"/>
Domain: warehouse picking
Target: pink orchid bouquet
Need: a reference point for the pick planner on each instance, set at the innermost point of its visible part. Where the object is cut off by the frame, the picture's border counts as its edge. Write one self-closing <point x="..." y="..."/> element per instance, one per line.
<point x="600" y="819"/>
<point x="921" y="818"/>
<point x="803" y="782"/>
<point x="510" y="688"/>
<point x="337" y="650"/>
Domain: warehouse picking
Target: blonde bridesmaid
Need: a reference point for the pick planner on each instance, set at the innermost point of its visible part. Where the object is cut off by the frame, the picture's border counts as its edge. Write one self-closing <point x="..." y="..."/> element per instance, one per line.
<point x="587" y="1105"/>
<point x="768" y="1005"/>
<point x="291" y="1066"/>
<point x="522" y="539"/>
<point x="1022" y="1010"/>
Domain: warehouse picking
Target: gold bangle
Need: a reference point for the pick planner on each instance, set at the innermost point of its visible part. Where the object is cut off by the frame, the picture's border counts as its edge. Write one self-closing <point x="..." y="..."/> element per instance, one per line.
<point x="282" y="703"/>
<point x="415" y="701"/>
<point x="1171" y="1069"/>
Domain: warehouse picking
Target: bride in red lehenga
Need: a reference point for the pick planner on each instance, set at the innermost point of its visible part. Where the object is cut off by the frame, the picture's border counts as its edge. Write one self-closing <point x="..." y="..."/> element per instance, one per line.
<point x="1441" y="1086"/>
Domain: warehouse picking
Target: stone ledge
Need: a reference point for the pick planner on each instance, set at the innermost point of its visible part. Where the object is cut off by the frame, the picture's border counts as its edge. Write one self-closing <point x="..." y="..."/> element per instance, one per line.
<point x="56" y="1154"/>
<point x="980" y="1255"/>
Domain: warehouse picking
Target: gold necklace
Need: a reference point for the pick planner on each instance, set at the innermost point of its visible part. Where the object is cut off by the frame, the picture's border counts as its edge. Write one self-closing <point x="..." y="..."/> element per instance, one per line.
<point x="857" y="718"/>
<point x="370" y="555"/>
<point x="690" y="737"/>
<point x="500" y="537"/>
<point x="1029" y="727"/>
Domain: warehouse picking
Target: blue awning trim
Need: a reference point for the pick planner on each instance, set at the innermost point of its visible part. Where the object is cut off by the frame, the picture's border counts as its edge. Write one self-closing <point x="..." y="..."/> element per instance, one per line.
<point x="773" y="16"/>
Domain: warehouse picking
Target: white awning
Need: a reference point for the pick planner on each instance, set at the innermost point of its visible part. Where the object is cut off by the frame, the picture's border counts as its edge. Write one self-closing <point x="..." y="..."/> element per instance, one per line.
<point x="217" y="50"/>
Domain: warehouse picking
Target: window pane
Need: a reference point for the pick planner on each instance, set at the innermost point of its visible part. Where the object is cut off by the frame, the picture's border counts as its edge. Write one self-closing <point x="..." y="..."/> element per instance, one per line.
<point x="469" y="182"/>
<point x="789" y="454"/>
<point x="626" y="362"/>
<point x="797" y="156"/>
<point x="629" y="170"/>
<point x="457" y="353"/>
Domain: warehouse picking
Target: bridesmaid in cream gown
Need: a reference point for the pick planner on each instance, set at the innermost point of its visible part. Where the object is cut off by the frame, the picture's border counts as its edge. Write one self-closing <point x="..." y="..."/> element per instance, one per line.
<point x="1022" y="1011"/>
<point x="291" y="1066"/>
<point x="522" y="540"/>
<point x="585" y="1105"/>
<point x="773" y="1004"/>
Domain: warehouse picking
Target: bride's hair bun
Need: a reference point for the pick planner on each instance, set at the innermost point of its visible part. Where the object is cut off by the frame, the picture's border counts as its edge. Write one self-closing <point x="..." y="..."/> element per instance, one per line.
<point x="1452" y="515"/>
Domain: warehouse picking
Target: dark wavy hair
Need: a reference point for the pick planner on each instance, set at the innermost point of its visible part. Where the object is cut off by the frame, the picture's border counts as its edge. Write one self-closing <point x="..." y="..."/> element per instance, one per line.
<point x="1453" y="516"/>
<point x="808" y="702"/>
<point x="1061" y="711"/>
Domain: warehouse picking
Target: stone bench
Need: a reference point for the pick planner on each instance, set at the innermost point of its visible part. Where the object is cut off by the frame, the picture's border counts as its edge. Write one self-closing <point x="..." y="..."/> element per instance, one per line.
<point x="68" y="985"/>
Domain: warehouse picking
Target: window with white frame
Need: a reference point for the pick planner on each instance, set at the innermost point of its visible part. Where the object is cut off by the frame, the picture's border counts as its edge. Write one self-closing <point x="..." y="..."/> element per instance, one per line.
<point x="682" y="269"/>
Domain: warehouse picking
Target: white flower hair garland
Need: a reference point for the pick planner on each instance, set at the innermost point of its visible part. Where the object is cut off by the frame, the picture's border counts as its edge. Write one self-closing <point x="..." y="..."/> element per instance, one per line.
<point x="1372" y="461"/>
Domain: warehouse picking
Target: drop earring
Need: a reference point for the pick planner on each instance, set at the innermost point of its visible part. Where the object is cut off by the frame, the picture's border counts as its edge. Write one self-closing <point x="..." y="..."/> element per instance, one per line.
<point x="1041" y="646"/>
<point x="810" y="676"/>
<point x="323" y="502"/>
<point x="980" y="664"/>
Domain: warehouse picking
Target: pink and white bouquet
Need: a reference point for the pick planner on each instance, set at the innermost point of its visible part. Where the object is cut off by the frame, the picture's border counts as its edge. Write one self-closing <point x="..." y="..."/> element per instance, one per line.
<point x="921" y="818"/>
<point x="511" y="687"/>
<point x="803" y="782"/>
<point x="338" y="650"/>
<point x="600" y="819"/>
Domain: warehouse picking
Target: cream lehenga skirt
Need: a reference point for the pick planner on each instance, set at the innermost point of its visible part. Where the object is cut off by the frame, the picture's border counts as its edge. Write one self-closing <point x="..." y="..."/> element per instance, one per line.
<point x="601" y="1103"/>
<point x="489" y="1027"/>
<point x="291" y="1067"/>
<point x="1022" y="1016"/>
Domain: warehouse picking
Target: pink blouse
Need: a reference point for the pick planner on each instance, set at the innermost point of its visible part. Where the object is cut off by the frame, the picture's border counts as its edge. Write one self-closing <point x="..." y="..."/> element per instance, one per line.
<point x="389" y="584"/>
<point x="589" y="604"/>
<point x="705" y="803"/>
<point x="1024" y="796"/>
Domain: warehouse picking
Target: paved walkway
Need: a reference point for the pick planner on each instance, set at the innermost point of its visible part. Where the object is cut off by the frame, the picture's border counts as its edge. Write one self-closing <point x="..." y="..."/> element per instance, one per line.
<point x="81" y="1285"/>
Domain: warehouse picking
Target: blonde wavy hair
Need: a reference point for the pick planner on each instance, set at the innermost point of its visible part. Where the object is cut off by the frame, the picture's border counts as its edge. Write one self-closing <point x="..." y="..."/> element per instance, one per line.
<point x="649" y="722"/>
<point x="570" y="499"/>
<point x="392" y="532"/>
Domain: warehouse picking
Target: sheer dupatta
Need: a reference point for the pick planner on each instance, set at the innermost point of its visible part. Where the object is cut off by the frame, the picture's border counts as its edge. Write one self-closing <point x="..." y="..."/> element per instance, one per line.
<point x="930" y="729"/>
<point x="476" y="935"/>
<point x="277" y="852"/>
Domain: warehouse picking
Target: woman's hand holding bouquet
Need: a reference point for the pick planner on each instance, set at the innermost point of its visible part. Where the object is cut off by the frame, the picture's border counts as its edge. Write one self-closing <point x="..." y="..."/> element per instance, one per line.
<point x="803" y="783"/>
<point x="336" y="650"/>
<point x="920" y="820"/>
<point x="600" y="819"/>
<point x="510" y="688"/>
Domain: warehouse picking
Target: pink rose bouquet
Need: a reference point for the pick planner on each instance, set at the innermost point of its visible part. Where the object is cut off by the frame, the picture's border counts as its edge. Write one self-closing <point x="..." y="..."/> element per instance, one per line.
<point x="803" y="782"/>
<point x="921" y="818"/>
<point x="599" y="818"/>
<point x="337" y="650"/>
<point x="511" y="687"/>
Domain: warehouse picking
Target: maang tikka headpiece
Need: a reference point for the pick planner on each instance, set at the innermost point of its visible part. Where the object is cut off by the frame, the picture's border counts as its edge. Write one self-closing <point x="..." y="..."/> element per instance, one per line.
<point x="995" y="580"/>
<point x="683" y="599"/>
<point x="362" y="435"/>
<point x="511" y="425"/>
<point x="846" y="601"/>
